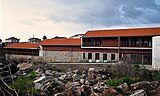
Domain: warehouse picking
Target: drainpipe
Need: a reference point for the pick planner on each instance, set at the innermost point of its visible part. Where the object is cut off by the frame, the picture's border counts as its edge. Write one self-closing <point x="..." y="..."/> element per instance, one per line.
<point x="118" y="48"/>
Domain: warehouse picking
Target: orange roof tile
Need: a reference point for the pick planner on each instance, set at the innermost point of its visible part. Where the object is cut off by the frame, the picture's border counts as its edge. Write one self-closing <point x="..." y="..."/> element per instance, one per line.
<point x="62" y="41"/>
<point x="23" y="46"/>
<point x="124" y="32"/>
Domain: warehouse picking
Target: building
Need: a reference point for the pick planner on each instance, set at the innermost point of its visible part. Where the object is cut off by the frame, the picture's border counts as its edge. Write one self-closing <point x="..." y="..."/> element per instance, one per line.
<point x="136" y="46"/>
<point x="61" y="50"/>
<point x="22" y="50"/>
<point x="133" y="45"/>
<point x="11" y="40"/>
<point x="34" y="40"/>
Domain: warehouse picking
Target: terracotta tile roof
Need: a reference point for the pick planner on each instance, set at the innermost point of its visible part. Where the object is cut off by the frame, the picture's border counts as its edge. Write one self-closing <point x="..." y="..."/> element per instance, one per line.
<point x="62" y="41"/>
<point x="23" y="46"/>
<point x="124" y="32"/>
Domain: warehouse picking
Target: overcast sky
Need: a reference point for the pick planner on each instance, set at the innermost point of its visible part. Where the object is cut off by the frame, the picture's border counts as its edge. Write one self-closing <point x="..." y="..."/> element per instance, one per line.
<point x="25" y="18"/>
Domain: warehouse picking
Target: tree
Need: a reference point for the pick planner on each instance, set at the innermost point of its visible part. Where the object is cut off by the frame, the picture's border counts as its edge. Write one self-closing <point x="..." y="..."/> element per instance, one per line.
<point x="44" y="37"/>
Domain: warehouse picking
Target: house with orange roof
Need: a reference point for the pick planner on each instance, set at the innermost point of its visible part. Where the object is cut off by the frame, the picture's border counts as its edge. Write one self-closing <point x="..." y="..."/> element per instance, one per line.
<point x="61" y="50"/>
<point x="135" y="45"/>
<point x="12" y="40"/>
<point x="22" y="50"/>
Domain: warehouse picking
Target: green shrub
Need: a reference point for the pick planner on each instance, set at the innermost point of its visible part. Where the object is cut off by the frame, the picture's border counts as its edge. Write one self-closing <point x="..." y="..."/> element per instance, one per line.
<point x="24" y="84"/>
<point x="156" y="77"/>
<point x="117" y="82"/>
<point x="114" y="82"/>
<point x="129" y="80"/>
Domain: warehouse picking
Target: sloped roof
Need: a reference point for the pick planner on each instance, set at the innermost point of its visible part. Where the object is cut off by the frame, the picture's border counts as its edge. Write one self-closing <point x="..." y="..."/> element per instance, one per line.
<point x="12" y="38"/>
<point x="124" y="32"/>
<point x="23" y="46"/>
<point x="62" y="41"/>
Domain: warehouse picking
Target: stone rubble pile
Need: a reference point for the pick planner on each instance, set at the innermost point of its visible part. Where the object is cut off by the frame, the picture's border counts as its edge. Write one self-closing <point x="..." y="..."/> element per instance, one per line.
<point x="89" y="82"/>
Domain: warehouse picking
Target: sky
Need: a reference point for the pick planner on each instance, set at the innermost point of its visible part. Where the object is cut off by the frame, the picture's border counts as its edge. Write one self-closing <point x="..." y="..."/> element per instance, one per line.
<point x="27" y="18"/>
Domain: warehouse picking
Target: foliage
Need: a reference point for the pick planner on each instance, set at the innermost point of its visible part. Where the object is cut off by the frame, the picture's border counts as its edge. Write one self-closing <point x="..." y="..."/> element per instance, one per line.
<point x="156" y="77"/>
<point x="130" y="80"/>
<point x="117" y="82"/>
<point x="24" y="84"/>
<point x="114" y="82"/>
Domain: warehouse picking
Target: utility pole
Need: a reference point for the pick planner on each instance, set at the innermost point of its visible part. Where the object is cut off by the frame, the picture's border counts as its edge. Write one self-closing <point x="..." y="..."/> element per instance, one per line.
<point x="91" y="21"/>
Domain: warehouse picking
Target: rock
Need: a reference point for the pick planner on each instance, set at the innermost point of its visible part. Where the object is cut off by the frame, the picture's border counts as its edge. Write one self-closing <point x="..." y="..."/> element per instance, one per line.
<point x="92" y="75"/>
<point x="86" y="90"/>
<point x="82" y="81"/>
<point x="69" y="78"/>
<point x="40" y="79"/>
<point x="87" y="82"/>
<point x="76" y="77"/>
<point x="76" y="91"/>
<point x="110" y="92"/>
<point x="61" y="94"/>
<point x="62" y="77"/>
<point x="124" y="87"/>
<point x="139" y="93"/>
<point x="154" y="83"/>
<point x="57" y="83"/>
<point x="48" y="72"/>
<point x="99" y="78"/>
<point x="93" y="82"/>
<point x="99" y="88"/>
<point x="77" y="72"/>
<point x="157" y="91"/>
<point x="73" y="91"/>
<point x="38" y="86"/>
<point x="75" y="84"/>
<point x="58" y="89"/>
<point x="104" y="77"/>
<point x="39" y="71"/>
<point x="96" y="94"/>
<point x="139" y="85"/>
<point x="84" y="76"/>
<point x="91" y="69"/>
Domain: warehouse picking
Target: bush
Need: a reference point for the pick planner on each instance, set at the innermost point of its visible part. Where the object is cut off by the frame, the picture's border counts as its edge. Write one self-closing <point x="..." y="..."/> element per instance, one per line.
<point x="24" y="84"/>
<point x="117" y="82"/>
<point x="114" y="82"/>
<point x="129" y="80"/>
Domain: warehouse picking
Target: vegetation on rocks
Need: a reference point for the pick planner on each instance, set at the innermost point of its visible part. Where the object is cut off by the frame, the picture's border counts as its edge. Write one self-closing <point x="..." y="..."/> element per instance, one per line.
<point x="24" y="84"/>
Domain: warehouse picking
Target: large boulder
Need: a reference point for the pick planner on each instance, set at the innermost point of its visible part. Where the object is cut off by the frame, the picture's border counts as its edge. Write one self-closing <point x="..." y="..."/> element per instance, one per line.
<point x="139" y="93"/>
<point x="110" y="92"/>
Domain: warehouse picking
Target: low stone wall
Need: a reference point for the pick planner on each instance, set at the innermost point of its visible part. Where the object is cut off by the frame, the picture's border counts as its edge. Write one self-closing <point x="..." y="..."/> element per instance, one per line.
<point x="25" y="58"/>
<point x="62" y="56"/>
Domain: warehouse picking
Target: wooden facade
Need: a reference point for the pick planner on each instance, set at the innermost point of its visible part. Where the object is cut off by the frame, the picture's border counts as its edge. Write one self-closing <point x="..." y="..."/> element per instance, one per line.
<point x="139" y="41"/>
<point x="32" y="52"/>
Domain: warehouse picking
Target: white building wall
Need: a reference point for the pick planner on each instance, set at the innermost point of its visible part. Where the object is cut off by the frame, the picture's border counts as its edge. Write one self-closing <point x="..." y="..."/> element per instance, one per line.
<point x="156" y="52"/>
<point x="40" y="51"/>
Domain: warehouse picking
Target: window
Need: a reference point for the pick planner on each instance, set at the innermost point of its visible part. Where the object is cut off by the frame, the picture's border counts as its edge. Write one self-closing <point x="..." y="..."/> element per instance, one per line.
<point x="97" y="56"/>
<point x="89" y="55"/>
<point x="105" y="56"/>
<point x="113" y="56"/>
<point x="84" y="56"/>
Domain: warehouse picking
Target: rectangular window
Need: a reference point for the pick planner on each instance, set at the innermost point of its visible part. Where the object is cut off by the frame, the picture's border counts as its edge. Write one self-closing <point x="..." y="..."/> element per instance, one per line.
<point x="97" y="56"/>
<point x="89" y="55"/>
<point x="84" y="56"/>
<point x="105" y="56"/>
<point x="113" y="56"/>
